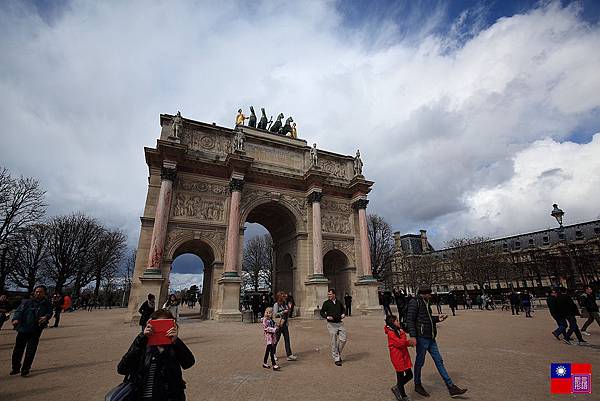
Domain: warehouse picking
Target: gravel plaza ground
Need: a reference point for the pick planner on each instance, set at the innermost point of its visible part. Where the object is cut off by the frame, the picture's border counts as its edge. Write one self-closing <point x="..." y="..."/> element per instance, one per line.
<point x="496" y="355"/>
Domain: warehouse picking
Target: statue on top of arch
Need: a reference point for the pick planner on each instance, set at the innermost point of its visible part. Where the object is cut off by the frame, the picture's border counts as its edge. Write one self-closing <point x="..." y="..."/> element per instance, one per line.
<point x="277" y="127"/>
<point x="358" y="164"/>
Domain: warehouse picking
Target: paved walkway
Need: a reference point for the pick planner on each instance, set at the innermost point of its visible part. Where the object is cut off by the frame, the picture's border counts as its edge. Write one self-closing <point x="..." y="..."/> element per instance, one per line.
<point x="496" y="355"/>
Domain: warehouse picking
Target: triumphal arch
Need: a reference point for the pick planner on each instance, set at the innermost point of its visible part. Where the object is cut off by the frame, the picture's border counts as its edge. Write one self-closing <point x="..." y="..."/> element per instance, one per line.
<point x="206" y="181"/>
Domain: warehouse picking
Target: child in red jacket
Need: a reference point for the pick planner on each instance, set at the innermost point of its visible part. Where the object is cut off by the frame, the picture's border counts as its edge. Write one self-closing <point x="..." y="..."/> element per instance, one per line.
<point x="398" y="345"/>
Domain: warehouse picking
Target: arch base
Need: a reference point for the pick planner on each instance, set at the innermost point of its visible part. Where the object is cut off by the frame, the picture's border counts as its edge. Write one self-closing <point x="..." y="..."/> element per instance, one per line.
<point x="228" y="299"/>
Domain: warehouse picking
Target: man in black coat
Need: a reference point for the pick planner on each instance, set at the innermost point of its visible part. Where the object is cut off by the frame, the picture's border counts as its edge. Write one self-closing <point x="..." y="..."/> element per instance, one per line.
<point x="588" y="302"/>
<point x="557" y="315"/>
<point x="514" y="302"/>
<point x="569" y="310"/>
<point x="422" y="326"/>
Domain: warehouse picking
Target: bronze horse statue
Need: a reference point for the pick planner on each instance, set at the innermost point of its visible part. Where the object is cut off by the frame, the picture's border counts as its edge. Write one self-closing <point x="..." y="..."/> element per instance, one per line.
<point x="277" y="124"/>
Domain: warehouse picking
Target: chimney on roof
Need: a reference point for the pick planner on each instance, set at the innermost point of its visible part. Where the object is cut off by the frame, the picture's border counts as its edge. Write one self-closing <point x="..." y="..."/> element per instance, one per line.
<point x="424" y="244"/>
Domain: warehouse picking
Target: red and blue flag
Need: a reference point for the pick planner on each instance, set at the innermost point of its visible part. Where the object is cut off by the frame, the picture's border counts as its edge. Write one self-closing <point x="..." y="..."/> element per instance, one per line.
<point x="570" y="378"/>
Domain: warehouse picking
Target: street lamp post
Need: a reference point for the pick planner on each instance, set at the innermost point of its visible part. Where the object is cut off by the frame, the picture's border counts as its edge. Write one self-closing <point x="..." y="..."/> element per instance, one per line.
<point x="558" y="215"/>
<point x="576" y="275"/>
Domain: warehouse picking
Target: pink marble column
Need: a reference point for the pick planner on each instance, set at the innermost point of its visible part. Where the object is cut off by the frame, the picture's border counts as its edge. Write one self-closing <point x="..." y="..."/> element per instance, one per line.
<point x="315" y="199"/>
<point x="365" y="250"/>
<point x="233" y="228"/>
<point x="161" y="219"/>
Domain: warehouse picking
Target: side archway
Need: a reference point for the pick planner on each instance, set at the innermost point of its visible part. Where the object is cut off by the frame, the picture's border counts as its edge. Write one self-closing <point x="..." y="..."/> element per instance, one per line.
<point x="337" y="271"/>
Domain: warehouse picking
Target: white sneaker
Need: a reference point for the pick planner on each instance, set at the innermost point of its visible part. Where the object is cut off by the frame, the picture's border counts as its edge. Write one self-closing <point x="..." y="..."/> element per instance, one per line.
<point x="292" y="357"/>
<point x="585" y="333"/>
<point x="276" y="359"/>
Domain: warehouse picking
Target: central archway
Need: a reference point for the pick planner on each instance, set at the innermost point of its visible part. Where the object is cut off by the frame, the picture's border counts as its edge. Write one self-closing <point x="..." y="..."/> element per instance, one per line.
<point x="281" y="224"/>
<point x="206" y="254"/>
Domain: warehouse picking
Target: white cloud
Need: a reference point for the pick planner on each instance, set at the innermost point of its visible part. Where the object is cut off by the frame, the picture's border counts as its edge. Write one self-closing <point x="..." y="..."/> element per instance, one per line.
<point x="440" y="123"/>
<point x="180" y="281"/>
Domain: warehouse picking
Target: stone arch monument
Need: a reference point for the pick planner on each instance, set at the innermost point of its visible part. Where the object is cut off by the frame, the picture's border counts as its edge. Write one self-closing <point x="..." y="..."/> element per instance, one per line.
<point x="206" y="181"/>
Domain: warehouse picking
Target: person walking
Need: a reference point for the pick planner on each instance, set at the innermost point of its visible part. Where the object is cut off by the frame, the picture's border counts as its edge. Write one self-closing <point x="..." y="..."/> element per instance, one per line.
<point x="270" y="331"/>
<point x="526" y="303"/>
<point x="155" y="371"/>
<point x="438" y="302"/>
<point x="348" y="303"/>
<point x="58" y="302"/>
<point x="588" y="302"/>
<point x="558" y="315"/>
<point x="399" y="300"/>
<point x="422" y="326"/>
<point x="398" y="345"/>
<point x="30" y="319"/>
<point x="386" y="300"/>
<point x="281" y="311"/>
<point x="452" y="303"/>
<point x="334" y="312"/>
<point x="514" y="302"/>
<point x="291" y="304"/>
<point x="570" y="310"/>
<point x="172" y="305"/>
<point x="146" y="310"/>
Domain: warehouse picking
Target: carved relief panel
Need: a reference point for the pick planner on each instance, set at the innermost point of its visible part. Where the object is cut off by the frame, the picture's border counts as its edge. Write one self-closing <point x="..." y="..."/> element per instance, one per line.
<point x="275" y="155"/>
<point x="206" y="142"/>
<point x="200" y="200"/>
<point x="337" y="217"/>
<point x="336" y="168"/>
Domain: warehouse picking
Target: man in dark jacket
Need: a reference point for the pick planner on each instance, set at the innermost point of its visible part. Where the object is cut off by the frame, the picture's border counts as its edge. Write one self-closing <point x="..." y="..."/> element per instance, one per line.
<point x="30" y="319"/>
<point x="558" y="315"/>
<point x="334" y="312"/>
<point x="569" y="310"/>
<point x="514" y="302"/>
<point x="58" y="301"/>
<point x="348" y="302"/>
<point x="588" y="302"/>
<point x="155" y="371"/>
<point x="422" y="326"/>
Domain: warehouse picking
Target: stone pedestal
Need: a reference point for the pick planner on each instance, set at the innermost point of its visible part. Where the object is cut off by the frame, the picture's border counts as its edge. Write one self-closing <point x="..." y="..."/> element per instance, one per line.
<point x="366" y="295"/>
<point x="228" y="298"/>
<point x="315" y="294"/>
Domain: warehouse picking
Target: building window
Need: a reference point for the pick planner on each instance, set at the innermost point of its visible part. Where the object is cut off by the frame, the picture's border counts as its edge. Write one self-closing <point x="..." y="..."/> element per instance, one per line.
<point x="579" y="234"/>
<point x="597" y="230"/>
<point x="518" y="245"/>
<point x="546" y="240"/>
<point x="505" y="246"/>
<point x="561" y="235"/>
<point x="531" y="242"/>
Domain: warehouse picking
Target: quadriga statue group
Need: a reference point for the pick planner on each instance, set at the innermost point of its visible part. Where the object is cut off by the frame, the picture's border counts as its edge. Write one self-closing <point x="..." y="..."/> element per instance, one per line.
<point x="277" y="127"/>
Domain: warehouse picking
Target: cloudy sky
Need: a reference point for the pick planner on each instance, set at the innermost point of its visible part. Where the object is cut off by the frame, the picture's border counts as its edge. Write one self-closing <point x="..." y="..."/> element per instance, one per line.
<point x="472" y="118"/>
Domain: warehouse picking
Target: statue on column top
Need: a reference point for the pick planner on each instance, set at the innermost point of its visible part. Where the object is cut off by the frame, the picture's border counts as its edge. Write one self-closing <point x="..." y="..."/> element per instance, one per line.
<point x="262" y="124"/>
<point x="239" y="119"/>
<point x="313" y="155"/>
<point x="252" y="118"/>
<point x="358" y="164"/>
<point x="294" y="131"/>
<point x="177" y="125"/>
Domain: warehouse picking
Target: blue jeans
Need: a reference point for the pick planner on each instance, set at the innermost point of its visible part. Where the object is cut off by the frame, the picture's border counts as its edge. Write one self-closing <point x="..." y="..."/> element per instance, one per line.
<point x="562" y="328"/>
<point x="428" y="344"/>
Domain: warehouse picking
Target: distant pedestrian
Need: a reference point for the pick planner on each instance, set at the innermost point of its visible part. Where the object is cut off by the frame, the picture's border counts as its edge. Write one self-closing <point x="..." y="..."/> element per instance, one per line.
<point x="558" y="314"/>
<point x="172" y="305"/>
<point x="386" y="299"/>
<point x="348" y="303"/>
<point x="398" y="345"/>
<point x="469" y="301"/>
<point x="146" y="309"/>
<point x="30" y="319"/>
<point x="270" y="333"/>
<point x="438" y="303"/>
<point x="400" y="303"/>
<point x="334" y="312"/>
<point x="4" y="309"/>
<point x="58" y="302"/>
<point x="526" y="303"/>
<point x="514" y="302"/>
<point x="155" y="371"/>
<point x="588" y="303"/>
<point x="291" y="304"/>
<point x="452" y="303"/>
<point x="422" y="326"/>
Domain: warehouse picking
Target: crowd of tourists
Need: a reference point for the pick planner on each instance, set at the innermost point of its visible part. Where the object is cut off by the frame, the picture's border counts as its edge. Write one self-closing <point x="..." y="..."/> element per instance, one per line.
<point x="154" y="371"/>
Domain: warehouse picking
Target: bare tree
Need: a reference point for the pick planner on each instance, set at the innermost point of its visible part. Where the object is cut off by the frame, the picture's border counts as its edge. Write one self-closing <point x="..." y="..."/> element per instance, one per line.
<point x="33" y="256"/>
<point x="106" y="255"/>
<point x="257" y="266"/>
<point x="9" y="256"/>
<point x="381" y="242"/>
<point x="21" y="204"/>
<point x="475" y="260"/>
<point x="420" y="270"/>
<point x="70" y="244"/>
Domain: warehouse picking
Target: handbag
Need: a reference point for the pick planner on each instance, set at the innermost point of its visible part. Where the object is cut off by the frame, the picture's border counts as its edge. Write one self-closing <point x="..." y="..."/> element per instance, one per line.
<point x="123" y="392"/>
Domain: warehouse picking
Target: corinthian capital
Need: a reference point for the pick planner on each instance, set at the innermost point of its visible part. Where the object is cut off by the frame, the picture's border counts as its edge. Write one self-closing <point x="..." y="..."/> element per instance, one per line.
<point x="360" y="204"/>
<point x="236" y="184"/>
<point x="168" y="174"/>
<point x="314" y="197"/>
